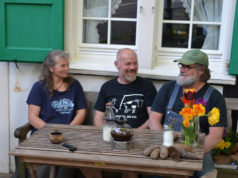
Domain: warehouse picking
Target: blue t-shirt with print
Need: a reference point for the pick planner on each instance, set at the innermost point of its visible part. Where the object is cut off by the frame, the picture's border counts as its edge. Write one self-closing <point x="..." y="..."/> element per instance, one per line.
<point x="61" y="107"/>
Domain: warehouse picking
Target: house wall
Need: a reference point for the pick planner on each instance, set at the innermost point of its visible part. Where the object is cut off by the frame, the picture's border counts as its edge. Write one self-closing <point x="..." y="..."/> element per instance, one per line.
<point x="4" y="118"/>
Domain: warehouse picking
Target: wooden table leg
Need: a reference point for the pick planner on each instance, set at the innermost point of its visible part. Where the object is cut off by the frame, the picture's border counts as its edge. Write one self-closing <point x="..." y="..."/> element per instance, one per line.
<point x="52" y="171"/>
<point x="21" y="170"/>
<point x="32" y="171"/>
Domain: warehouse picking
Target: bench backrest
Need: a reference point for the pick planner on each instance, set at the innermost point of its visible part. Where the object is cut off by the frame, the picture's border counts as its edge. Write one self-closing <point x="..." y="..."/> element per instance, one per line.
<point x="91" y="98"/>
<point x="232" y="105"/>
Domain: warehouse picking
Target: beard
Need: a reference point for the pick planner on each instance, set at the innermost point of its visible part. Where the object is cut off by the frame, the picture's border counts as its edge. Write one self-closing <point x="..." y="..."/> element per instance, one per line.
<point x="188" y="81"/>
<point x="129" y="77"/>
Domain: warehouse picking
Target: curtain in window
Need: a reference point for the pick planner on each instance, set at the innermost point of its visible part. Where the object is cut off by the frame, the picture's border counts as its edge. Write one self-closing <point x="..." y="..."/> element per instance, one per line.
<point x="208" y="11"/>
<point x="98" y="8"/>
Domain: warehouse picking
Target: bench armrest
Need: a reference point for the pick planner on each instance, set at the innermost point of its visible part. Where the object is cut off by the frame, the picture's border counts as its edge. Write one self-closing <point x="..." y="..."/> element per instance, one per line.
<point x="21" y="132"/>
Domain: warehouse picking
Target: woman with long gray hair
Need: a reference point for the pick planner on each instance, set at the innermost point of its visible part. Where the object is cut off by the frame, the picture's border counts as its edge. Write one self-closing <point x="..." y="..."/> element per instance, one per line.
<point x="56" y="98"/>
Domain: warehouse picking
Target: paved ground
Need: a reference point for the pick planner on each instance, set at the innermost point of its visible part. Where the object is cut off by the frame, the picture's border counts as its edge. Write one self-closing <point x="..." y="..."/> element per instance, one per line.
<point x="2" y="175"/>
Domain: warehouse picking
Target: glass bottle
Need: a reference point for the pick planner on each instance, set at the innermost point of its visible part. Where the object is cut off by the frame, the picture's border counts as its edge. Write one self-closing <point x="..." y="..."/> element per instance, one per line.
<point x="168" y="135"/>
<point x="109" y="122"/>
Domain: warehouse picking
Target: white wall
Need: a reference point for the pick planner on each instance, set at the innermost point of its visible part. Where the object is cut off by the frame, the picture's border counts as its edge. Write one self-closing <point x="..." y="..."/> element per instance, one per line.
<point x="4" y="118"/>
<point x="20" y="83"/>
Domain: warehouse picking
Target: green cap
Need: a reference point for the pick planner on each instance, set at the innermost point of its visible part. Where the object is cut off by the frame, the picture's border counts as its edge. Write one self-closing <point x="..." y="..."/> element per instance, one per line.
<point x="193" y="56"/>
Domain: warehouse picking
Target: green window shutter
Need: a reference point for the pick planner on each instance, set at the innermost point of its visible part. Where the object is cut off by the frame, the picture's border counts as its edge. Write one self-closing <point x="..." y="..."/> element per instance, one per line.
<point x="233" y="66"/>
<point x="29" y="29"/>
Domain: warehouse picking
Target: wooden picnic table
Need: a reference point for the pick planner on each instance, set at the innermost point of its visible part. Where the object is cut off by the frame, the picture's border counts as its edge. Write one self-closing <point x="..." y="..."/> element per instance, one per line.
<point x="93" y="152"/>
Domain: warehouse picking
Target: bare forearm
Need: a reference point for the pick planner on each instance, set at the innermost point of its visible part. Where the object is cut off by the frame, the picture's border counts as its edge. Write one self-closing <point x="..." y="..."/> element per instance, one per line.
<point x="210" y="143"/>
<point x="33" y="116"/>
<point x="145" y="125"/>
<point x="98" y="122"/>
<point x="36" y="122"/>
<point x="155" y="121"/>
<point x="213" y="138"/>
<point x="155" y="125"/>
<point x="79" y="118"/>
<point x="98" y="119"/>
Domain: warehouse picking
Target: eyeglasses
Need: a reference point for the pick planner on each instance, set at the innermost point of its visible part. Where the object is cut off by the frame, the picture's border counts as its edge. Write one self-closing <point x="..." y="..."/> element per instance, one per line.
<point x="186" y="67"/>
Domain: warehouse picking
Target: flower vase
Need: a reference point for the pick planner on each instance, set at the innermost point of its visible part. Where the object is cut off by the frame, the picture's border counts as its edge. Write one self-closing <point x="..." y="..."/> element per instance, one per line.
<point x="190" y="134"/>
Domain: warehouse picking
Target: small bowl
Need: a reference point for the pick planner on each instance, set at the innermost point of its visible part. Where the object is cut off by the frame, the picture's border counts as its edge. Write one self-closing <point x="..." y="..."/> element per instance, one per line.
<point x="56" y="137"/>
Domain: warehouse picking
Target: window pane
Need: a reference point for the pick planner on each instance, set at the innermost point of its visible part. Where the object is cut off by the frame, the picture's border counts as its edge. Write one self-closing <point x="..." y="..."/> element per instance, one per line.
<point x="175" y="9"/>
<point x="93" y="30"/>
<point x="125" y="9"/>
<point x="207" y="10"/>
<point x="198" y="37"/>
<point x="175" y="35"/>
<point x="206" y="36"/>
<point x="123" y="33"/>
<point x="95" y="8"/>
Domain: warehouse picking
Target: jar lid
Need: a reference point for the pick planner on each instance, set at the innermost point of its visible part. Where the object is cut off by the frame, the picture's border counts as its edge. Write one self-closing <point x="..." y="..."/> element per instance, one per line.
<point x="121" y="120"/>
<point x="168" y="126"/>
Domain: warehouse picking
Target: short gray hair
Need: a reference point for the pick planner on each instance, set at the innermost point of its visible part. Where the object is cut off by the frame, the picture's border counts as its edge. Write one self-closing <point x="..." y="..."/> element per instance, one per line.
<point x="120" y="51"/>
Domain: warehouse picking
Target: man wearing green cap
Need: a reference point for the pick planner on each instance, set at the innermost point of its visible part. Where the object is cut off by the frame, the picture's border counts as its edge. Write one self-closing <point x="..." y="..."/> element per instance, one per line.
<point x="194" y="74"/>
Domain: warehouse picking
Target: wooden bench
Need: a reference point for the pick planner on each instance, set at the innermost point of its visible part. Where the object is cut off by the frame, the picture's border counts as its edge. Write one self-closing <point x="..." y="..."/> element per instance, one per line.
<point x="91" y="97"/>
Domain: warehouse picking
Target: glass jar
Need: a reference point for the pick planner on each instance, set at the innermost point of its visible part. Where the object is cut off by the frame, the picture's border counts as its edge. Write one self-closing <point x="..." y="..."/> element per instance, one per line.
<point x="190" y="135"/>
<point x="168" y="135"/>
<point x="122" y="132"/>
<point x="109" y="122"/>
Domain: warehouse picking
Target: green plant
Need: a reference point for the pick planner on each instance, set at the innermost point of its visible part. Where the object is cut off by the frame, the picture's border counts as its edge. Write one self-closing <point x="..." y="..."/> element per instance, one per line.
<point x="226" y="144"/>
<point x="224" y="147"/>
<point x="232" y="137"/>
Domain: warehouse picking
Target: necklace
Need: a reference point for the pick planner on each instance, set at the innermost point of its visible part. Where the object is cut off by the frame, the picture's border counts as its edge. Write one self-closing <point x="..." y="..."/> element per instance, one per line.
<point x="59" y="86"/>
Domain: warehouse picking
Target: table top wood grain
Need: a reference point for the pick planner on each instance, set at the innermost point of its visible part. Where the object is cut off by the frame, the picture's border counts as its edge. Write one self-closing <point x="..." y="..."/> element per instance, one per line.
<point x="92" y="151"/>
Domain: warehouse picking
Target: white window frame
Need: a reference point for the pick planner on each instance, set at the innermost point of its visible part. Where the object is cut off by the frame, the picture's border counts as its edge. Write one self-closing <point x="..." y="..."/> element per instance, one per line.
<point x="154" y="62"/>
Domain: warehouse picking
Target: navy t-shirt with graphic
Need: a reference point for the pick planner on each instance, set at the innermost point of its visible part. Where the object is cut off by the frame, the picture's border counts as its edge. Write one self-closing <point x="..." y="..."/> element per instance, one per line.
<point x="130" y="100"/>
<point x="61" y="107"/>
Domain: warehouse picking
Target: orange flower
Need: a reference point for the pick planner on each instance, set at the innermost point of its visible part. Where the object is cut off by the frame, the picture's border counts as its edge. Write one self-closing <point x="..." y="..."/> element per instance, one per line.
<point x="186" y="123"/>
<point x="187" y="102"/>
<point x="187" y="113"/>
<point x="198" y="110"/>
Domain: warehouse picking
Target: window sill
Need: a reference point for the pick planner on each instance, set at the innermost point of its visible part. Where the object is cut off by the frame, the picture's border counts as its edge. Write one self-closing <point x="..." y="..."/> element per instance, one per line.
<point x="163" y="72"/>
